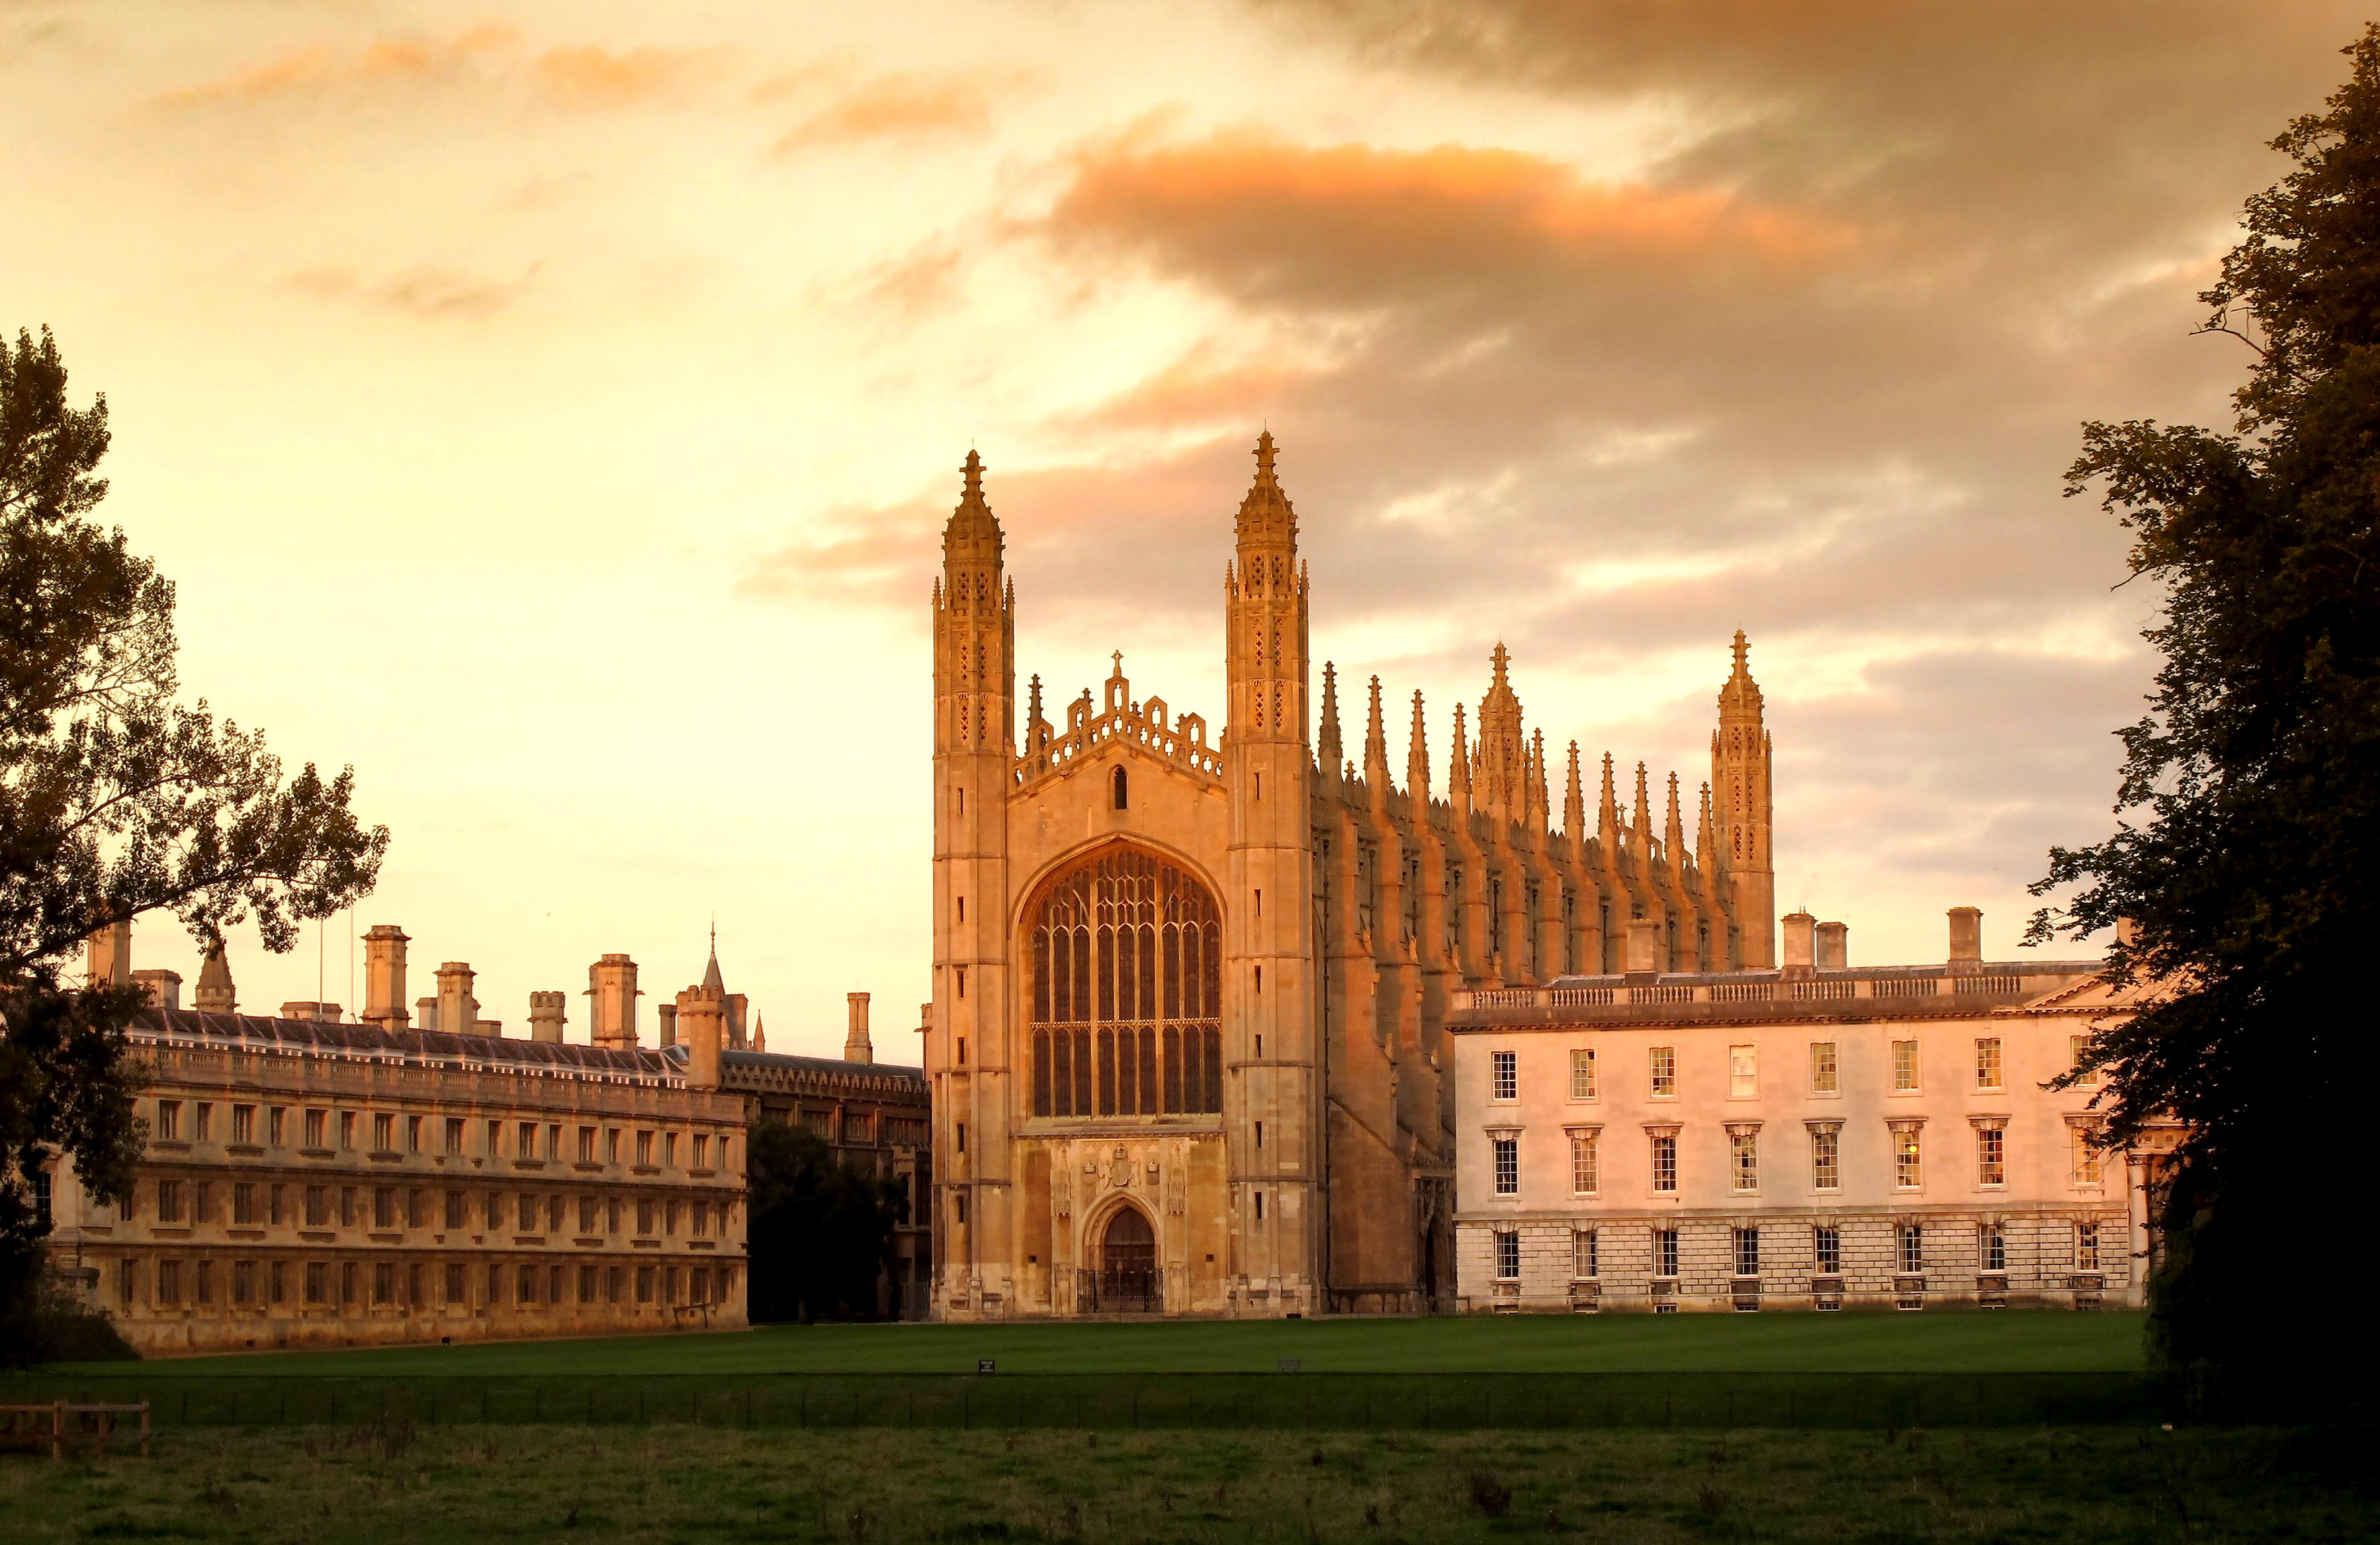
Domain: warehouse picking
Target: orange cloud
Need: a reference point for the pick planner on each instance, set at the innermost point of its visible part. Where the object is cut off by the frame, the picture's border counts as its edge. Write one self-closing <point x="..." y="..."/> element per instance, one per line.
<point x="427" y="291"/>
<point x="584" y="77"/>
<point x="1448" y="204"/>
<point x="1194" y="391"/>
<point x="903" y="106"/>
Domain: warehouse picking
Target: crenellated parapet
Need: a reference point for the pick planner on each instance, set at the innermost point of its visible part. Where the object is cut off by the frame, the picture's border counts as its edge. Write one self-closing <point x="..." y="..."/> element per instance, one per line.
<point x="1147" y="725"/>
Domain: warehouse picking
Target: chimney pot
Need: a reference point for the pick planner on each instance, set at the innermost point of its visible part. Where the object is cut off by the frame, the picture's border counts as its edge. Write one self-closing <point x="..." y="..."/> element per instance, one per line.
<point x="1800" y="943"/>
<point x="856" y="1047"/>
<point x="1966" y="937"/>
<point x="384" y="977"/>
<point x="162" y="988"/>
<point x="1834" y="946"/>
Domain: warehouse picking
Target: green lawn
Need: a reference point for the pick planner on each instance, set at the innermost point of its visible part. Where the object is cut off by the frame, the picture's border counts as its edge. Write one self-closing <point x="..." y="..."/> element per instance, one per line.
<point x="1970" y="1341"/>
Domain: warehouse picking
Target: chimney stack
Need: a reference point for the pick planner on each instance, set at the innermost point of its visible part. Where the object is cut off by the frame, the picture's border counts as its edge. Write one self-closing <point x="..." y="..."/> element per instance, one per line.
<point x="702" y="1014"/>
<point x="668" y="1012"/>
<point x="458" y="1011"/>
<point x="612" y="982"/>
<point x="856" y="1044"/>
<point x="110" y="957"/>
<point x="1644" y="947"/>
<point x="314" y="1013"/>
<point x="384" y="977"/>
<point x="1966" y="939"/>
<point x="738" y="1006"/>
<point x="163" y="989"/>
<point x="216" y="994"/>
<point x="1834" y="946"/>
<point x="1800" y="943"/>
<point x="545" y="1018"/>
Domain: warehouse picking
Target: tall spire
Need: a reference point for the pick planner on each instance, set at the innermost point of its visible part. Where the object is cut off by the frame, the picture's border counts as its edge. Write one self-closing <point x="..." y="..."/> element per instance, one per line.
<point x="1742" y="759"/>
<point x="971" y="533"/>
<point x="1265" y="514"/>
<point x="1328" y="751"/>
<point x="1376" y="744"/>
<point x="1458" y="782"/>
<point x="1503" y="759"/>
<point x="1418" y="760"/>
<point x="1538" y="799"/>
<point x="1607" y="813"/>
<point x="1574" y="802"/>
<point x="1673" y="831"/>
<point x="711" y="982"/>
<point x="1703" y="836"/>
<point x="1644" y="822"/>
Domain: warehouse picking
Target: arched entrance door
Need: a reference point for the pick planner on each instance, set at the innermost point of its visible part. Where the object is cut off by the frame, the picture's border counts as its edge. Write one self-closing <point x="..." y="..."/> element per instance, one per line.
<point x="1128" y="1281"/>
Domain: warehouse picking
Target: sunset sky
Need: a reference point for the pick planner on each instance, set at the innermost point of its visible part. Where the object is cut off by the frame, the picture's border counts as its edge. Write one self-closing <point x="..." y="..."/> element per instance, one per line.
<point x="550" y="408"/>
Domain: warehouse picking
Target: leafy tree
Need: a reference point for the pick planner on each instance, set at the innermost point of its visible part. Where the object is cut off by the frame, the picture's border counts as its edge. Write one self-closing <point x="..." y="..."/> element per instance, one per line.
<point x="2248" y="841"/>
<point x="818" y="1233"/>
<point x="117" y="799"/>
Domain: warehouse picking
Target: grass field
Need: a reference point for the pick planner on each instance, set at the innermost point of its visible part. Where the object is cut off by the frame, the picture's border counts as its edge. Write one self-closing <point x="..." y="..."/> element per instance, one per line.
<point x="1972" y="1342"/>
<point x="472" y="1485"/>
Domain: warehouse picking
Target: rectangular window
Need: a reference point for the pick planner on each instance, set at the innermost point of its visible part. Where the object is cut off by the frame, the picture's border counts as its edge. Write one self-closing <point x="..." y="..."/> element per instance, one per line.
<point x="1821" y="1067"/>
<point x="495" y="1211"/>
<point x="413" y="1282"/>
<point x="1991" y="1166"/>
<point x="1508" y="1255"/>
<point x="1906" y="1170"/>
<point x="554" y="1140"/>
<point x="169" y="1201"/>
<point x="169" y="1283"/>
<point x="700" y="1225"/>
<point x="1664" y="1162"/>
<point x="413" y="1134"/>
<point x="611" y="1215"/>
<point x="318" y="1207"/>
<point x="243" y="1202"/>
<point x="458" y="1289"/>
<point x="203" y="1195"/>
<point x="1665" y="1072"/>
<point x="1743" y="1158"/>
<point x="495" y="1284"/>
<point x="1582" y="1073"/>
<point x="2075" y="1045"/>
<point x="277" y="1283"/>
<point x="644" y="1215"/>
<point x="1505" y="1071"/>
<point x="169" y="1130"/>
<point x="204" y="1272"/>
<point x="528" y="1284"/>
<point x="1747" y="1251"/>
<point x="644" y="1284"/>
<point x="1743" y="1073"/>
<point x="525" y="1140"/>
<point x="384" y="1282"/>
<point x="587" y="1145"/>
<point x="274" y="1198"/>
<point x="2086" y="1155"/>
<point x="318" y="1124"/>
<point x="318" y="1282"/>
<point x="347" y="1131"/>
<point x="206" y="1128"/>
<point x="347" y="1207"/>
<point x="1508" y="1166"/>
<point x="1584" y="1179"/>
<point x="1825" y="1149"/>
<point x="453" y="1134"/>
<point x="384" y="1206"/>
<point x="645" y="1149"/>
<point x="1904" y="1064"/>
<point x="495" y="1138"/>
<point x="2086" y="1247"/>
<point x="383" y="1133"/>
<point x="1584" y="1259"/>
<point x="455" y="1210"/>
<point x="1829" y="1250"/>
<point x="276" y="1125"/>
<point x="669" y="1218"/>
<point x="702" y="1146"/>
<point x="587" y="1218"/>
<point x="669" y="1149"/>
<point x="243" y="1124"/>
<point x="416" y="1208"/>
<point x="1994" y="1247"/>
<point x="347" y="1285"/>
<point x="1913" y="1248"/>
<point x="1987" y="1062"/>
<point x="1665" y="1252"/>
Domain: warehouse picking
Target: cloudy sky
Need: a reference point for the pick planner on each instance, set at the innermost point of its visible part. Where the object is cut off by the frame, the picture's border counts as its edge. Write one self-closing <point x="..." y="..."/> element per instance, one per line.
<point x="549" y="408"/>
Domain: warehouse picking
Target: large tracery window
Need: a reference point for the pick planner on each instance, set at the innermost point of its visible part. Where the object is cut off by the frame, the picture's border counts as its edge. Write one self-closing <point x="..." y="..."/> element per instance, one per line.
<point x="1127" y="991"/>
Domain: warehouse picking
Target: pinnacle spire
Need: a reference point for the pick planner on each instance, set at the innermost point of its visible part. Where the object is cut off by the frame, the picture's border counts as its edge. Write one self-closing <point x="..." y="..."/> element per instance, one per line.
<point x="1607" y="810"/>
<point x="1573" y="801"/>
<point x="1741" y="693"/>
<point x="1458" y="782"/>
<point x="1417" y="755"/>
<point x="972" y="533"/>
<point x="1644" y="810"/>
<point x="1376" y="741"/>
<point x="1265" y="517"/>
<point x="712" y="983"/>
<point x="1673" y="832"/>
<point x="1329" y="752"/>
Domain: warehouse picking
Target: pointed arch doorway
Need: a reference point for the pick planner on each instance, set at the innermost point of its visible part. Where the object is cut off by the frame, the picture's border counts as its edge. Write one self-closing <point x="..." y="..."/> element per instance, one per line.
<point x="1127" y="1280"/>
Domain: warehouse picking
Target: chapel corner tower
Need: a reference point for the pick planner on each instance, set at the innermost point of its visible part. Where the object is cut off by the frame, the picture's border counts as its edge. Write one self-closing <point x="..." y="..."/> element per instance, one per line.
<point x="1273" y="1111"/>
<point x="1741" y="786"/>
<point x="969" y="1053"/>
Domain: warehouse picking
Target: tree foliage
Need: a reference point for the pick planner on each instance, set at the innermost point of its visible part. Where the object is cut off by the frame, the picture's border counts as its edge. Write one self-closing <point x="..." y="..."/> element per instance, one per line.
<point x="818" y="1233"/>
<point x="117" y="799"/>
<point x="2249" y="803"/>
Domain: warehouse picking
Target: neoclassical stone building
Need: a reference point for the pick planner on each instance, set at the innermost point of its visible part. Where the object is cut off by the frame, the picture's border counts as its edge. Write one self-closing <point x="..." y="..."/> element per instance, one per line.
<point x="1187" y="1041"/>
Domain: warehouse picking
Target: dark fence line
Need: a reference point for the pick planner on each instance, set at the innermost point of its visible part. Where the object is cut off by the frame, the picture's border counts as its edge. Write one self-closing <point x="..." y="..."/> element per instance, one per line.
<point x="1360" y="1402"/>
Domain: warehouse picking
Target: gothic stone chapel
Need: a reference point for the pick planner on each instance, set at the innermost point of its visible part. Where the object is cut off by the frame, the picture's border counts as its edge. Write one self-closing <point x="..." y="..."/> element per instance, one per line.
<point x="1186" y="1038"/>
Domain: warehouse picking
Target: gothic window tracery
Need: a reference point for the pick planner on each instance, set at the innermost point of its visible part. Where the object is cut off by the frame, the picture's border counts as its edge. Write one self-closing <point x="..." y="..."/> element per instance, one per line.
<point x="1127" y="991"/>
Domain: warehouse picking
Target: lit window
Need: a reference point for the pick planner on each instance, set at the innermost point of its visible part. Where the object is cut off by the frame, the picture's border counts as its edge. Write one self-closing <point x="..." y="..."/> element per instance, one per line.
<point x="1508" y="1166"/>
<point x="1743" y="1157"/>
<point x="1583" y="1180"/>
<point x="1906" y="1171"/>
<point x="1747" y="1252"/>
<point x="1665" y="1071"/>
<point x="1582" y="1073"/>
<point x="1991" y="1156"/>
<point x="1506" y="1074"/>
<point x="1913" y="1248"/>
<point x="1664" y="1162"/>
<point x="1743" y="1072"/>
<point x="2087" y="1153"/>
<point x="1583" y="1258"/>
<point x="2075" y="1047"/>
<point x="1994" y="1247"/>
<point x="1665" y="1252"/>
<point x="1826" y="1173"/>
<point x="1508" y="1254"/>
<point x="1904" y="1064"/>
<point x="2086" y="1247"/>
<point x="1830" y="1250"/>
<point x="1987" y="1062"/>
<point x="1821" y="1067"/>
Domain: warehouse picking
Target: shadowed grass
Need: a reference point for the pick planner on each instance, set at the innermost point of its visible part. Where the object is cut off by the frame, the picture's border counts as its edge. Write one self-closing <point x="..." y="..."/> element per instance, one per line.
<point x="389" y="1483"/>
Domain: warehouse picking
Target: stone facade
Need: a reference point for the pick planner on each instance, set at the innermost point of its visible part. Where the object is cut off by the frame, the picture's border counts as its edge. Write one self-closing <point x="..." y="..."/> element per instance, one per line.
<point x="310" y="1183"/>
<point x="1809" y="1137"/>
<point x="1186" y="1044"/>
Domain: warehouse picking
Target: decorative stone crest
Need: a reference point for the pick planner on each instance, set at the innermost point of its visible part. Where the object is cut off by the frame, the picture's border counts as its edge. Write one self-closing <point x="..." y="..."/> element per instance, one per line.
<point x="1120" y="1172"/>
